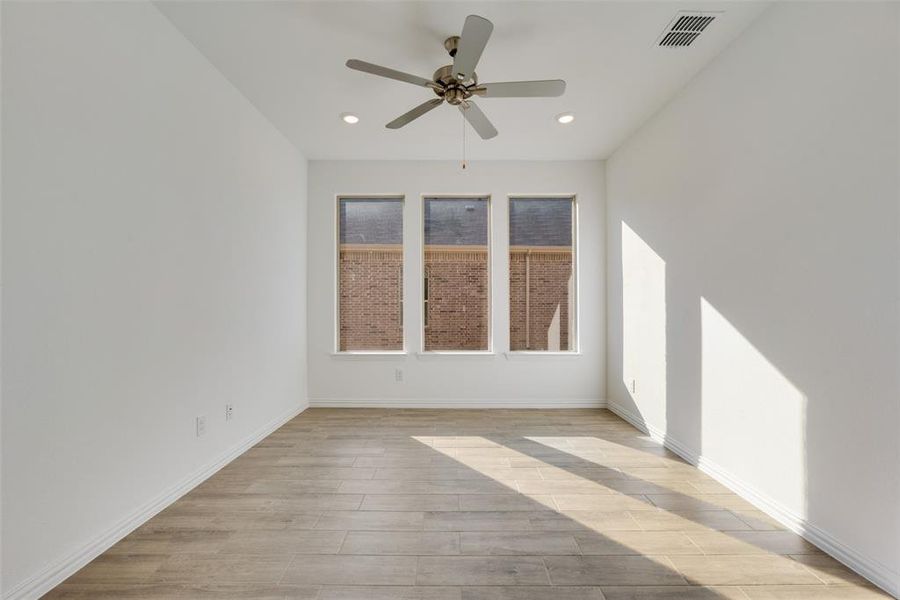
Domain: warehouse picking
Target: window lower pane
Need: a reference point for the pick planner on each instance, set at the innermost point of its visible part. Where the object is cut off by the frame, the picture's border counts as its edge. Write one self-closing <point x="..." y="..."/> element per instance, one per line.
<point x="457" y="278"/>
<point x="370" y="274"/>
<point x="541" y="274"/>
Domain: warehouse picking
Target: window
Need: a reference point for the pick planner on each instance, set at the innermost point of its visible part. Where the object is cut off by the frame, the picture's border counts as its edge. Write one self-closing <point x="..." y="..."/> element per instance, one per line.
<point x="541" y="274"/>
<point x="370" y="274"/>
<point x="456" y="294"/>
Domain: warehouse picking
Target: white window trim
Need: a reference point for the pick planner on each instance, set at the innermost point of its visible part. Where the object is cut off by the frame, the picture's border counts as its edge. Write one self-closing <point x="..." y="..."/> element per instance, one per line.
<point x="370" y="355"/>
<point x="540" y="354"/>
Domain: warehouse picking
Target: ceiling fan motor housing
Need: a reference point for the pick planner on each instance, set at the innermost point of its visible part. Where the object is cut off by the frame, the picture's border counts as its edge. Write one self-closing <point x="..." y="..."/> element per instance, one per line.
<point x="452" y="89"/>
<point x="456" y="96"/>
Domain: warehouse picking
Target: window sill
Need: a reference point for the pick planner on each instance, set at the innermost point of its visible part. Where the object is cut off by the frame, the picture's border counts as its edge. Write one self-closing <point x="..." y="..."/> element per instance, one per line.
<point x="460" y="354"/>
<point x="374" y="355"/>
<point x="526" y="354"/>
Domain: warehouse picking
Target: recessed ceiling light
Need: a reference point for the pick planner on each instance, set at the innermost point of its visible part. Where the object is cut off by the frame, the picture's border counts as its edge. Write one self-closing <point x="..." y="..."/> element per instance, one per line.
<point x="349" y="118"/>
<point x="565" y="118"/>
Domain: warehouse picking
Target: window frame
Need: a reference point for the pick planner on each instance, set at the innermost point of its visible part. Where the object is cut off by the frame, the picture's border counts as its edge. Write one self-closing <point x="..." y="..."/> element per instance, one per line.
<point x="336" y="289"/>
<point x="574" y="335"/>
<point x="489" y="351"/>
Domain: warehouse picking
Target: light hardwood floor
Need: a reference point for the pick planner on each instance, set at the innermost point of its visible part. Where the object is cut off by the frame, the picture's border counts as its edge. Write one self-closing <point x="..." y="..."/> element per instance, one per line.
<point x="375" y="504"/>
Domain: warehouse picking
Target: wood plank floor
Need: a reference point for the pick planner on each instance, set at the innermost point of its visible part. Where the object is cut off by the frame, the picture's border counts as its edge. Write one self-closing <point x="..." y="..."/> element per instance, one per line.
<point x="376" y="504"/>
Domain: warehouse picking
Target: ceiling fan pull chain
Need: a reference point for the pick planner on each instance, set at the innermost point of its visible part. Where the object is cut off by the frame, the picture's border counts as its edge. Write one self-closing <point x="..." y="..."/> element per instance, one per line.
<point x="464" y="163"/>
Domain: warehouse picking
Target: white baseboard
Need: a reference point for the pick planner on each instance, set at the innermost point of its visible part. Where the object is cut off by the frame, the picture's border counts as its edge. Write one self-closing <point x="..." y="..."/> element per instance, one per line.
<point x="456" y="403"/>
<point x="873" y="570"/>
<point x="638" y="423"/>
<point x="58" y="571"/>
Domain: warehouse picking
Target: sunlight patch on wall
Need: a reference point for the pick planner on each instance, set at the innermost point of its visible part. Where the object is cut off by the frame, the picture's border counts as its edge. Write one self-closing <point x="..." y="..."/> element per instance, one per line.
<point x="748" y="403"/>
<point x="644" y="326"/>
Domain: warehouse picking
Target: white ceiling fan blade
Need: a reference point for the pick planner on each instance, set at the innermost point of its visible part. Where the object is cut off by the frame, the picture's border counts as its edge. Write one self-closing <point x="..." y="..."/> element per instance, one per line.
<point x="477" y="120"/>
<point x="414" y="113"/>
<point x="475" y="34"/>
<point x="365" y="67"/>
<point x="522" y="89"/>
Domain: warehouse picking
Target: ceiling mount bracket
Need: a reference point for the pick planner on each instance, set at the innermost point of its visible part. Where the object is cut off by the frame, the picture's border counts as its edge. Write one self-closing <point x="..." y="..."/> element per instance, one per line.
<point x="451" y="44"/>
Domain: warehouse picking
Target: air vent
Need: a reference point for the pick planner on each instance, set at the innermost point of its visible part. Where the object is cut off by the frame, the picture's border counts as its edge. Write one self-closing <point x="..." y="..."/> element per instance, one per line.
<point x="685" y="28"/>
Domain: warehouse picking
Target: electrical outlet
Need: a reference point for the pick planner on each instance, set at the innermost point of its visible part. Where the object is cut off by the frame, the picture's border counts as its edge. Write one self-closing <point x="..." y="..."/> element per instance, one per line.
<point x="201" y="425"/>
<point x="229" y="411"/>
<point x="398" y="375"/>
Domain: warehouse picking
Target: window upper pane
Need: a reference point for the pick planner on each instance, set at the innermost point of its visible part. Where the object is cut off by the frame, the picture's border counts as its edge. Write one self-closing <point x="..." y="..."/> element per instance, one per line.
<point x="456" y="221"/>
<point x="371" y="221"/>
<point x="540" y="222"/>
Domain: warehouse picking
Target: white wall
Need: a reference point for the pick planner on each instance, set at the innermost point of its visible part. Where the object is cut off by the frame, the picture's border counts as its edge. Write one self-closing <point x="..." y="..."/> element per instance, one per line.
<point x="153" y="269"/>
<point x="455" y="380"/>
<point x="753" y="273"/>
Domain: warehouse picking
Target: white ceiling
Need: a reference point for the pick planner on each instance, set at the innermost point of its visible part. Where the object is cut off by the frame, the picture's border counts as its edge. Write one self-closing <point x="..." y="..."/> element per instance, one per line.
<point x="288" y="59"/>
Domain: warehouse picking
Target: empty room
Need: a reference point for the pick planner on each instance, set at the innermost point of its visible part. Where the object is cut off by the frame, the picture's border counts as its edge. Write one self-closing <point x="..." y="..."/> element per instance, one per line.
<point x="438" y="300"/>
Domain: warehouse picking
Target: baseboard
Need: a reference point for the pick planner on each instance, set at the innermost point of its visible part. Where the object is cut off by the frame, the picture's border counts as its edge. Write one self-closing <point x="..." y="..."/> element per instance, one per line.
<point x="58" y="571"/>
<point x="456" y="403"/>
<point x="638" y="423"/>
<point x="873" y="570"/>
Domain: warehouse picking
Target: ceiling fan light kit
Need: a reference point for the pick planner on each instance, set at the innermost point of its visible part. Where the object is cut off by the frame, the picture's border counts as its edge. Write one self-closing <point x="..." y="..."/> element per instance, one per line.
<point x="457" y="84"/>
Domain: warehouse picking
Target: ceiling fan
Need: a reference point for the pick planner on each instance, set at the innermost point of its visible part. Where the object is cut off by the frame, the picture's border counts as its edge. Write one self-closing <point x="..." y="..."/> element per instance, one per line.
<point x="457" y="83"/>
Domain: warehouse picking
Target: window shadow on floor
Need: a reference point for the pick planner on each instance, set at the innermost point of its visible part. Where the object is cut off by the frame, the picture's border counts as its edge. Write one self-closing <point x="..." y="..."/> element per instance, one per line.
<point x="444" y="505"/>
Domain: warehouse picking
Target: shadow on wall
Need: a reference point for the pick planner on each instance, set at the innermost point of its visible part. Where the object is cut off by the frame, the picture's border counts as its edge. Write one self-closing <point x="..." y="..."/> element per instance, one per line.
<point x="688" y="369"/>
<point x="693" y="375"/>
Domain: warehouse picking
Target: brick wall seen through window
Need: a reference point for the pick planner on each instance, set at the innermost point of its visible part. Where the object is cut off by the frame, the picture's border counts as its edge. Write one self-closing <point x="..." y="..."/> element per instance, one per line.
<point x="541" y="274"/>
<point x="456" y="298"/>
<point x="370" y="274"/>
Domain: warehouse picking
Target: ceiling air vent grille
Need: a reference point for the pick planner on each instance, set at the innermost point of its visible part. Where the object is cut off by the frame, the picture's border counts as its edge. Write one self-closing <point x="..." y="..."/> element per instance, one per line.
<point x="684" y="29"/>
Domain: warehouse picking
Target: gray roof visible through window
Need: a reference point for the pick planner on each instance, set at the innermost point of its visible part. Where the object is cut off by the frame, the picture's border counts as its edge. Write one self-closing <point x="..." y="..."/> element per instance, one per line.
<point x="371" y="220"/>
<point x="456" y="221"/>
<point x="540" y="222"/>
